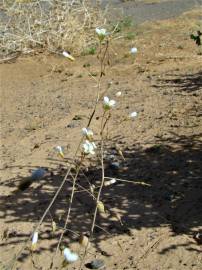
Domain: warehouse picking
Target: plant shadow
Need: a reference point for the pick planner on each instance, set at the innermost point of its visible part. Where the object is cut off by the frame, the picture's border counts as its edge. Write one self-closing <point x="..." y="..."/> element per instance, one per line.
<point x="173" y="195"/>
<point x="189" y="83"/>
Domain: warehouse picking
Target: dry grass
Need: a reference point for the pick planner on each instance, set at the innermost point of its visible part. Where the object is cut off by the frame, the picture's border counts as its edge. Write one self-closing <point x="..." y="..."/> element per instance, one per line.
<point x="53" y="25"/>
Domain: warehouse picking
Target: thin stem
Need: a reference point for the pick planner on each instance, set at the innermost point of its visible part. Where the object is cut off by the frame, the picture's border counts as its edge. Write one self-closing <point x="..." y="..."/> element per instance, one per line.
<point x="130" y="181"/>
<point x="99" y="192"/>
<point x="85" y="190"/>
<point x="70" y="203"/>
<point x="99" y="82"/>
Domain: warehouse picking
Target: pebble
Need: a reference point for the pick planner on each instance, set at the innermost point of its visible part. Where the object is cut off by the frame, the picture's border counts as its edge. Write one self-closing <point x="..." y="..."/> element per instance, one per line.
<point x="38" y="174"/>
<point x="77" y="117"/>
<point x="115" y="165"/>
<point x="96" y="264"/>
<point x="198" y="238"/>
<point x="71" y="125"/>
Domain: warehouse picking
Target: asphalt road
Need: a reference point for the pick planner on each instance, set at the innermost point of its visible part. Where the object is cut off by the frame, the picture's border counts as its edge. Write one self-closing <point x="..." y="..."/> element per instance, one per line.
<point x="142" y="11"/>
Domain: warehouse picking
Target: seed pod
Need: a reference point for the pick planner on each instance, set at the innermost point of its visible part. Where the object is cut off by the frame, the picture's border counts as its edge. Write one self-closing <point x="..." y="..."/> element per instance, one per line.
<point x="101" y="207"/>
<point x="61" y="154"/>
<point x="92" y="189"/>
<point x="83" y="240"/>
<point x="120" y="152"/>
<point x="54" y="226"/>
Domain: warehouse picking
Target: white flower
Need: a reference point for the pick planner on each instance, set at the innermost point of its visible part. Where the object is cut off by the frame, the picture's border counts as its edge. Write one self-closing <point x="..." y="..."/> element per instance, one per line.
<point x="68" y="55"/>
<point x="110" y="182"/>
<point x="34" y="241"/>
<point x="133" y="50"/>
<point x="113" y="181"/>
<point x="88" y="133"/>
<point x="108" y="104"/>
<point x="133" y="115"/>
<point x="59" y="150"/>
<point x="70" y="257"/>
<point x="89" y="147"/>
<point x="101" y="32"/>
<point x="118" y="94"/>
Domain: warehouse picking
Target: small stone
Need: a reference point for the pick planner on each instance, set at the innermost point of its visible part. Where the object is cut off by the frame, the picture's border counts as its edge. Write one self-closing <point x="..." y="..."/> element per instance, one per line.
<point x="38" y="174"/>
<point x="115" y="165"/>
<point x="198" y="238"/>
<point x="48" y="137"/>
<point x="36" y="146"/>
<point x="77" y="117"/>
<point x="96" y="264"/>
<point x="71" y="125"/>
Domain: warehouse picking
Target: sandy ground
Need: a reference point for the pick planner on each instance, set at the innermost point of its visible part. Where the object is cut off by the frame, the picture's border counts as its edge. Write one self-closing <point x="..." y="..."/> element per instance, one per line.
<point x="45" y="101"/>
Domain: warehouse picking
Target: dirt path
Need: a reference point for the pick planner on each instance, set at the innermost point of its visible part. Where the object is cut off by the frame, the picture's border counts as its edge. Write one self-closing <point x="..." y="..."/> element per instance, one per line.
<point x="45" y="101"/>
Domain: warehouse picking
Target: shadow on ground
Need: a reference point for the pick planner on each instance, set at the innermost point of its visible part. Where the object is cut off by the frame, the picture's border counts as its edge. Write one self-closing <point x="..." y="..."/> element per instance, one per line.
<point x="172" y="167"/>
<point x="182" y="82"/>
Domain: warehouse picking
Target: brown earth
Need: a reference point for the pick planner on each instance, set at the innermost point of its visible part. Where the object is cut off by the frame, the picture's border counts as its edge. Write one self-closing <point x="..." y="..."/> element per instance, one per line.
<point x="40" y="97"/>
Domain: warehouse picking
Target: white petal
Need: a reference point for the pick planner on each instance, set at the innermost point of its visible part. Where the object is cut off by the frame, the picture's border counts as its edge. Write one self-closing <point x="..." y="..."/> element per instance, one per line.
<point x="70" y="256"/>
<point x="84" y="131"/>
<point x="88" y="147"/>
<point x="106" y="100"/>
<point x="97" y="30"/>
<point x="112" y="103"/>
<point x="58" y="148"/>
<point x="91" y="148"/>
<point x="118" y="94"/>
<point x="35" y="238"/>
<point x="67" y="55"/>
<point x="92" y="152"/>
<point x="100" y="31"/>
<point x="90" y="132"/>
<point x="85" y="148"/>
<point x="103" y="31"/>
<point x="113" y="181"/>
<point x="133" y="50"/>
<point x="133" y="114"/>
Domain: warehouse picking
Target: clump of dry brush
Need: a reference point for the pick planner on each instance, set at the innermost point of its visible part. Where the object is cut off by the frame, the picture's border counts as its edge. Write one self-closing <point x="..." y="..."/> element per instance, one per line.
<point x="52" y="25"/>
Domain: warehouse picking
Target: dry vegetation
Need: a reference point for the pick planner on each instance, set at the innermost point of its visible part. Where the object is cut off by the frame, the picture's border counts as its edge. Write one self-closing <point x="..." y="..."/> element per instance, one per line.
<point x="52" y="25"/>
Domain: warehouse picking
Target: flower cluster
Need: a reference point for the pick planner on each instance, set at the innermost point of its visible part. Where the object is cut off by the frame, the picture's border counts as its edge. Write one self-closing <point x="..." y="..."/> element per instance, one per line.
<point x="108" y="104"/>
<point x="101" y="33"/>
<point x="89" y="147"/>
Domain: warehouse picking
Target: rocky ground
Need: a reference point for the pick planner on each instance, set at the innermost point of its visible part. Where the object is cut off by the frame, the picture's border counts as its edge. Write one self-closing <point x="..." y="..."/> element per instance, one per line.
<point x="46" y="100"/>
